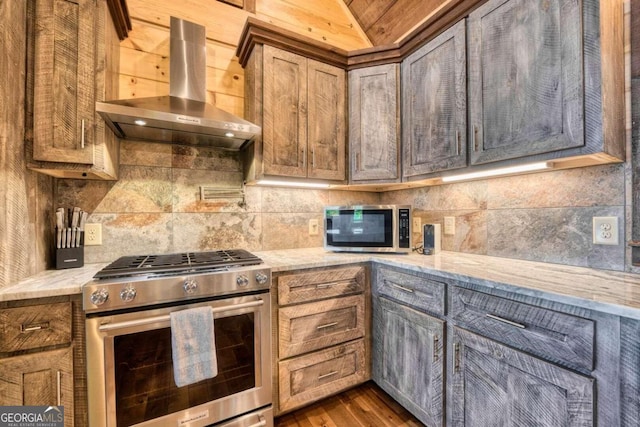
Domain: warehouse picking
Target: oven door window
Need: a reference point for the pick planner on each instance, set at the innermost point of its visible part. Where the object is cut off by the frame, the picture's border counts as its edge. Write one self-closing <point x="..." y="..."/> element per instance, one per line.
<point x="371" y="228"/>
<point x="145" y="388"/>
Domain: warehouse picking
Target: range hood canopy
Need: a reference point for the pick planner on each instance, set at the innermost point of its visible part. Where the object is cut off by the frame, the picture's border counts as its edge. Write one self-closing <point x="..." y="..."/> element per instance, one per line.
<point x="184" y="116"/>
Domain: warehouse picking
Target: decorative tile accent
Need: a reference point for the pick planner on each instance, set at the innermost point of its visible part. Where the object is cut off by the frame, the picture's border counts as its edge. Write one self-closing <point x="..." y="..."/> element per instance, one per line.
<point x="556" y="235"/>
<point x="139" y="189"/>
<point x="139" y="153"/>
<point x="130" y="234"/>
<point x="589" y="186"/>
<point x="214" y="231"/>
<point x="275" y="199"/>
<point x="461" y="196"/>
<point x="207" y="158"/>
<point x="470" y="235"/>
<point x="286" y="231"/>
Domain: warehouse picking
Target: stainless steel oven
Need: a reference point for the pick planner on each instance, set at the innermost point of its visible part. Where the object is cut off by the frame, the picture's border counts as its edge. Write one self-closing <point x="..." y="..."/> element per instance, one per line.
<point x="129" y="352"/>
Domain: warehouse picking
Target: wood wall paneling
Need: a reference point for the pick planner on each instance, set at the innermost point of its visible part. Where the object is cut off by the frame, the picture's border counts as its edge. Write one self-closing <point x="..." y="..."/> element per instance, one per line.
<point x="23" y="195"/>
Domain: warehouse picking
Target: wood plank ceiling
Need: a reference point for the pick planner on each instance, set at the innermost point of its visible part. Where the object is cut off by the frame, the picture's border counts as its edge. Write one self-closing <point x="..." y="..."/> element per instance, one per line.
<point x="387" y="21"/>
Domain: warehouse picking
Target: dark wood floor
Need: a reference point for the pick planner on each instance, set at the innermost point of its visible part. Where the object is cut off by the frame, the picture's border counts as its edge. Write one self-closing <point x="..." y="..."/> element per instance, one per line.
<point x="364" y="406"/>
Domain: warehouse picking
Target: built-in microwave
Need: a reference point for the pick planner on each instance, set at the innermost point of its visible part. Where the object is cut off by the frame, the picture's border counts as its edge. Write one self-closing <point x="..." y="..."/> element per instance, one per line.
<point x="368" y="228"/>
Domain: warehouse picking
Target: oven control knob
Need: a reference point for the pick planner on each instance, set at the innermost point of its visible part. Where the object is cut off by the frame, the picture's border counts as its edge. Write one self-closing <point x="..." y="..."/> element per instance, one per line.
<point x="261" y="278"/>
<point x="190" y="286"/>
<point x="242" y="280"/>
<point x="99" y="297"/>
<point x="128" y="294"/>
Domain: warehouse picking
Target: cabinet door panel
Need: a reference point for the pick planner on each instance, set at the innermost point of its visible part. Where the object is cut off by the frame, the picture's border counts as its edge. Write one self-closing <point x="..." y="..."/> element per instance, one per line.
<point x="285" y="113"/>
<point x="39" y="379"/>
<point x="327" y="119"/>
<point x="526" y="78"/>
<point x="408" y="358"/>
<point x="374" y="123"/>
<point x="434" y="105"/>
<point x="494" y="385"/>
<point x="64" y="84"/>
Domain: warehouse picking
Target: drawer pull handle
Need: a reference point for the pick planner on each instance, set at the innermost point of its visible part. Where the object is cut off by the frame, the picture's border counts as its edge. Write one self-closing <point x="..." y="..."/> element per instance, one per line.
<point x="330" y="374"/>
<point x="325" y="286"/>
<point x="328" y="325"/>
<point x="82" y="135"/>
<point x="34" y="327"/>
<point x="402" y="288"/>
<point x="59" y="388"/>
<point x="436" y="343"/>
<point x="262" y="422"/>
<point x="508" y="322"/>
<point x="456" y="358"/>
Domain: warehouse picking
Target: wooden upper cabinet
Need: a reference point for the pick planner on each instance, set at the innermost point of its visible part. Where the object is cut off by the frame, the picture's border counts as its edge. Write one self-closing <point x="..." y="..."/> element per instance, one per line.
<point x="434" y="115"/>
<point x="73" y="62"/>
<point x="327" y="123"/>
<point x="374" y="137"/>
<point x="526" y="78"/>
<point x="304" y="117"/>
<point x="285" y="113"/>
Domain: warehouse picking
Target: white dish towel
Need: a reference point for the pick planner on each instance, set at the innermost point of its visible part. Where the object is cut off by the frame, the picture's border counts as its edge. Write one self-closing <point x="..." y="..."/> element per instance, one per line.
<point x="193" y="345"/>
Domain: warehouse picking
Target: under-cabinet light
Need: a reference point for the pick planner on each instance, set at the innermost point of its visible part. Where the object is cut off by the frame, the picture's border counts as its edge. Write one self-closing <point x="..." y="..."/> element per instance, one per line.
<point x="229" y="134"/>
<point x="140" y="122"/>
<point x="292" y="184"/>
<point x="531" y="167"/>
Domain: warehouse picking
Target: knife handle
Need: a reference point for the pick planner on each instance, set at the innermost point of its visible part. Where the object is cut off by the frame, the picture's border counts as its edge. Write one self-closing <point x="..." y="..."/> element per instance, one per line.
<point x="58" y="237"/>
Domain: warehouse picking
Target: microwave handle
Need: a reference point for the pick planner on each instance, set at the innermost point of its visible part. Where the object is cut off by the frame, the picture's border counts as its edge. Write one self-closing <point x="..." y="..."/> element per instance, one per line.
<point x="166" y="317"/>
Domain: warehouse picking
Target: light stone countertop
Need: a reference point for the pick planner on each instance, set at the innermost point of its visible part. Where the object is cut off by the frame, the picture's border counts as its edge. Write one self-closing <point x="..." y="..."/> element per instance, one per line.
<point x="611" y="292"/>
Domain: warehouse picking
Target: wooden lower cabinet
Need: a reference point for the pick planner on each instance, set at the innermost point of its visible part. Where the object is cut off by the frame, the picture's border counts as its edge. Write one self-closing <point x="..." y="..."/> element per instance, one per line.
<point x="495" y="385"/>
<point x="321" y="344"/>
<point x="39" y="379"/>
<point x="408" y="358"/>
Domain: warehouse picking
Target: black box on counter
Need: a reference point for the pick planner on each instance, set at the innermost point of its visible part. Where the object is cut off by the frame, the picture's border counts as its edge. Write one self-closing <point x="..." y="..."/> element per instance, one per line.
<point x="69" y="257"/>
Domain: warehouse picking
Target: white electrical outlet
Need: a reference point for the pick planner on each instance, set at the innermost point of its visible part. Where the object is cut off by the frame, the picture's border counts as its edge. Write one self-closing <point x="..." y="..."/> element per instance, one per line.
<point x="417" y="224"/>
<point x="93" y="234"/>
<point x="449" y="225"/>
<point x="313" y="227"/>
<point x="605" y="230"/>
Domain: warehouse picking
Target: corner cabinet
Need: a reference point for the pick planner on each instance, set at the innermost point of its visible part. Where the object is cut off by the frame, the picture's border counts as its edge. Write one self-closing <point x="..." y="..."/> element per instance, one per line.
<point x="434" y="109"/>
<point x="408" y="345"/>
<point x="545" y="77"/>
<point x="73" y="53"/>
<point x="495" y="385"/>
<point x="301" y="105"/>
<point x="374" y="124"/>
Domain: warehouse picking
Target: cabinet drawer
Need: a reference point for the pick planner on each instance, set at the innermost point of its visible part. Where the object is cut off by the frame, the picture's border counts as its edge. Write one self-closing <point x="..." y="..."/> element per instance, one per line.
<point x="546" y="333"/>
<point x="38" y="326"/>
<point x="415" y="291"/>
<point x="317" y="285"/>
<point x="312" y="326"/>
<point x="314" y="376"/>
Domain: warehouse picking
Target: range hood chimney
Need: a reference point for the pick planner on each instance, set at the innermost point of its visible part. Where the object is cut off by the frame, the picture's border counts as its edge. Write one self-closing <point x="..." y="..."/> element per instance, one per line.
<point x="183" y="117"/>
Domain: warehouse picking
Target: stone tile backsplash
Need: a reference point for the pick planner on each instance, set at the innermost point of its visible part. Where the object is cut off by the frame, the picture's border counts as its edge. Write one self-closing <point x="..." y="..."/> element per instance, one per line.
<point x="155" y="207"/>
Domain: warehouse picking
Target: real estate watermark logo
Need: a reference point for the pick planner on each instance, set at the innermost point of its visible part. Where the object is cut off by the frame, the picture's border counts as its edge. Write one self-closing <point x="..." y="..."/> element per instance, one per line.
<point x="31" y="416"/>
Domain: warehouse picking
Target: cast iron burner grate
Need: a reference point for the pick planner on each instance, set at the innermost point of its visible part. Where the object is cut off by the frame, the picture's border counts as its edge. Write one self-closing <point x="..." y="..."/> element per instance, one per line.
<point x="177" y="263"/>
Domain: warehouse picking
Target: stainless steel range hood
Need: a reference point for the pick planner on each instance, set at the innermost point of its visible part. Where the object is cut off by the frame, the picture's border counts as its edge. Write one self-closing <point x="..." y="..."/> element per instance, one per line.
<point x="184" y="116"/>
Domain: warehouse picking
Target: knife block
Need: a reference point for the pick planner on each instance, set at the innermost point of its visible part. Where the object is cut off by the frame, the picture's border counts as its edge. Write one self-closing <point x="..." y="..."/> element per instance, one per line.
<point x="69" y="257"/>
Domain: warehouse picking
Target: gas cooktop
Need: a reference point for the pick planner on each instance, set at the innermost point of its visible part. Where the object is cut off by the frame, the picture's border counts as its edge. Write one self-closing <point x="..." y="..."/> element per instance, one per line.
<point x="136" y="281"/>
<point x="178" y="263"/>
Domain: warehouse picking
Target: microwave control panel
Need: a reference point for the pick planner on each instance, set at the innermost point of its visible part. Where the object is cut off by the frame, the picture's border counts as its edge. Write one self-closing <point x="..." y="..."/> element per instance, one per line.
<point x="404" y="235"/>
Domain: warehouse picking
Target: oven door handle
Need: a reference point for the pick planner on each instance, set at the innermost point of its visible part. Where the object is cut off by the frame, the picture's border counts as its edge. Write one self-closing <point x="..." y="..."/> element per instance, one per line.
<point x="165" y="318"/>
